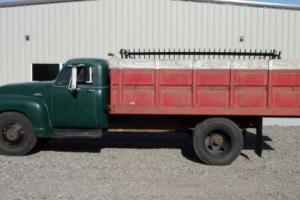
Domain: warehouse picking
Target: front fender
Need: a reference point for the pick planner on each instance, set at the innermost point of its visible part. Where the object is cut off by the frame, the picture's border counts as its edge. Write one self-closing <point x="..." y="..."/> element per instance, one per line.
<point x="35" y="109"/>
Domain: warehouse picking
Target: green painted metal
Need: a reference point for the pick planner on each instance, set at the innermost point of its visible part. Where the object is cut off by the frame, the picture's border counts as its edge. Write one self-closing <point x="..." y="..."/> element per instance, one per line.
<point x="35" y="109"/>
<point x="50" y="105"/>
<point x="86" y="108"/>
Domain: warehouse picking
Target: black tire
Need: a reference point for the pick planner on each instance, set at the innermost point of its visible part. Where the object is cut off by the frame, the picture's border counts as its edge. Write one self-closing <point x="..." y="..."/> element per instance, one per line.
<point x="17" y="137"/>
<point x="217" y="141"/>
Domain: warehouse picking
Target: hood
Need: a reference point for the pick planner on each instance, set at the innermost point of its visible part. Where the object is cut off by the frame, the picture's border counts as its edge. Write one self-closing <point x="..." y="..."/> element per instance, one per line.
<point x="25" y="89"/>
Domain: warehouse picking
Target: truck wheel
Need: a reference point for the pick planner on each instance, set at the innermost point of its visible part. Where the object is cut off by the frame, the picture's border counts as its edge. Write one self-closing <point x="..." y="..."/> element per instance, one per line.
<point x="217" y="141"/>
<point x="17" y="136"/>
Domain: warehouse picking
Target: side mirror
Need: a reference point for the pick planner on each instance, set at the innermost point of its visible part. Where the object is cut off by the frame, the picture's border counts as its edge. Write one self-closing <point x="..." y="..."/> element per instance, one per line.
<point x="73" y="80"/>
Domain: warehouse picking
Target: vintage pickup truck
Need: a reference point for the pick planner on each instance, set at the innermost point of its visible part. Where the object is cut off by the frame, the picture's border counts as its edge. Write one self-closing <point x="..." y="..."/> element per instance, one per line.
<point x="217" y="99"/>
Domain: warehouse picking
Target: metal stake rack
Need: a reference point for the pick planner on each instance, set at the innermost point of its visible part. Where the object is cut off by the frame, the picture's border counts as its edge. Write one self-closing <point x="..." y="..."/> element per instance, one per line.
<point x="200" y="54"/>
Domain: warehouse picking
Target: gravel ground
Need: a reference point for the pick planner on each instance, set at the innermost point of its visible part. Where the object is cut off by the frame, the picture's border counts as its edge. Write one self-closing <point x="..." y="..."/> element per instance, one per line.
<point x="153" y="166"/>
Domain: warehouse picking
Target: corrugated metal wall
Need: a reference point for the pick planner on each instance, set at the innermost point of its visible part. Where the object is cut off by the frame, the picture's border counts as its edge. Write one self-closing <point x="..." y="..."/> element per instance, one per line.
<point x="94" y="28"/>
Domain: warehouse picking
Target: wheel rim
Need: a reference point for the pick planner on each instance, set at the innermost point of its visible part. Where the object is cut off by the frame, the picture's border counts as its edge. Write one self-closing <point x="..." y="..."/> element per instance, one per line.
<point x="217" y="143"/>
<point x="12" y="133"/>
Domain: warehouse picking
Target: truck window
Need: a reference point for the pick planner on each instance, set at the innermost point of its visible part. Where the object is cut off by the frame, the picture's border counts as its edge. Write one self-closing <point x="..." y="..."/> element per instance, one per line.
<point x="84" y="75"/>
<point x="64" y="76"/>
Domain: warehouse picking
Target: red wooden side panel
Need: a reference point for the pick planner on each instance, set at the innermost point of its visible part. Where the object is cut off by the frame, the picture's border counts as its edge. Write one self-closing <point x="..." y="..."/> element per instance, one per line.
<point x="138" y="87"/>
<point x="210" y="96"/>
<point x="138" y="77"/>
<point x="250" y="77"/>
<point x="175" y="77"/>
<point x="140" y="96"/>
<point x="114" y="86"/>
<point x="285" y="88"/>
<point x="175" y="96"/>
<point x="114" y="95"/>
<point x="209" y="77"/>
<point x="205" y="92"/>
<point x="212" y="88"/>
<point x="285" y="78"/>
<point x="250" y="97"/>
<point x="175" y="87"/>
<point x="249" y="88"/>
<point x="286" y="97"/>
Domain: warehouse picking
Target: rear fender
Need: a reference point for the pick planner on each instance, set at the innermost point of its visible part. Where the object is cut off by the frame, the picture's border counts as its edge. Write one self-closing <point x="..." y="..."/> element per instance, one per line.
<point x="35" y="109"/>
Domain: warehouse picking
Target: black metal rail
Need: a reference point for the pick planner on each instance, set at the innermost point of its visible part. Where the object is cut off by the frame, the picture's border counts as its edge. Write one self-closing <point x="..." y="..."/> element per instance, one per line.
<point x="198" y="54"/>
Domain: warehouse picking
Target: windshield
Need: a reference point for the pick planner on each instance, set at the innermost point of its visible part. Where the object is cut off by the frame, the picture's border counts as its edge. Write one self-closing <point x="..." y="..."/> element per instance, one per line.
<point x="64" y="77"/>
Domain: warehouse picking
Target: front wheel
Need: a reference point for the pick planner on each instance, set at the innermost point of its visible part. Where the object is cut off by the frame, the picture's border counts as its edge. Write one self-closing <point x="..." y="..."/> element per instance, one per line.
<point x="217" y="141"/>
<point x="17" y="136"/>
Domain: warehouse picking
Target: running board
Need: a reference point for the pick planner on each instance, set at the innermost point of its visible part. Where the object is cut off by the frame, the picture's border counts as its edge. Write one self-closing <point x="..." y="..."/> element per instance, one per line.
<point x="77" y="133"/>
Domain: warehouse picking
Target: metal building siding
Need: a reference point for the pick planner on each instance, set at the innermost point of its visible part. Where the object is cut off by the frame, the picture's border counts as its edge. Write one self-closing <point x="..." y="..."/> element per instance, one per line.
<point x="94" y="28"/>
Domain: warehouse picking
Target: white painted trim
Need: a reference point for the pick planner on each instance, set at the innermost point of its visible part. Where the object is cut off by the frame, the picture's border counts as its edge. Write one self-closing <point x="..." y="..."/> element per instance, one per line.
<point x="249" y="64"/>
<point x="31" y="70"/>
<point x="177" y="64"/>
<point x="73" y="83"/>
<point x="212" y="64"/>
<point x="205" y="64"/>
<point x="285" y="64"/>
<point x="61" y="66"/>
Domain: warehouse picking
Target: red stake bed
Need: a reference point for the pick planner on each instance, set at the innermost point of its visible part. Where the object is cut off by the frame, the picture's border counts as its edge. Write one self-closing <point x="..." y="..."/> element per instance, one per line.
<point x="206" y="87"/>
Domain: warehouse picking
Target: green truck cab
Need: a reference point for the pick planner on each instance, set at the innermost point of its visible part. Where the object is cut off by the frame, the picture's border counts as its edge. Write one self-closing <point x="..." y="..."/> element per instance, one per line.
<point x="78" y="99"/>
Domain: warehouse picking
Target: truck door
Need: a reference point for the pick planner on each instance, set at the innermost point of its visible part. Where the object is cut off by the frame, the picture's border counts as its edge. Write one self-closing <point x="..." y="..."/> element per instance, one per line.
<point x="74" y="109"/>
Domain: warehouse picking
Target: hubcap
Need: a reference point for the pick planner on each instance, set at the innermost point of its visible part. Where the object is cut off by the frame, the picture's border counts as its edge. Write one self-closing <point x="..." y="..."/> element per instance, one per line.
<point x="217" y="139"/>
<point x="217" y="143"/>
<point x="12" y="132"/>
<point x="11" y="135"/>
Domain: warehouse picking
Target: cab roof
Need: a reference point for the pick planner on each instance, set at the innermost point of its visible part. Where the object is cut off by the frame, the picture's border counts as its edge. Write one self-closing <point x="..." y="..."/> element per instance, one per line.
<point x="87" y="61"/>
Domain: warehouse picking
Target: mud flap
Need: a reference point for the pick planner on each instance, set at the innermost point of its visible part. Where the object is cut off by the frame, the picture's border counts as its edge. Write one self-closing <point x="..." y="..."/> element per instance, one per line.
<point x="259" y="137"/>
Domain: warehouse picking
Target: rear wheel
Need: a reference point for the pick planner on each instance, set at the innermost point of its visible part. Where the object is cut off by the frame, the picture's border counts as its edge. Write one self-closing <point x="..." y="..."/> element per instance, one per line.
<point x="217" y="141"/>
<point x="17" y="136"/>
